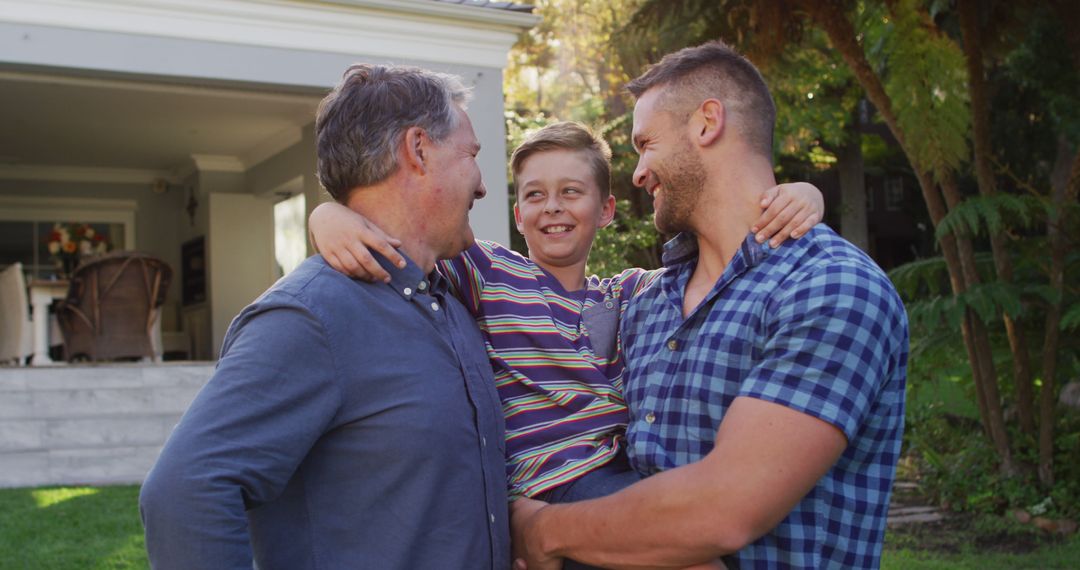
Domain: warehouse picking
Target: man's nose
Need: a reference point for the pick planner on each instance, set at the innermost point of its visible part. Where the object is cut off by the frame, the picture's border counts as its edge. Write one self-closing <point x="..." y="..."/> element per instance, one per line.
<point x="641" y="174"/>
<point x="481" y="191"/>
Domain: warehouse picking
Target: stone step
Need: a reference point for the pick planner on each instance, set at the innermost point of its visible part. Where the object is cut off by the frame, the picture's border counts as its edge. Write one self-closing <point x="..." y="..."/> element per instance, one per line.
<point x="911" y="510"/>
<point x="85" y="433"/>
<point x="915" y="518"/>
<point x="99" y="466"/>
<point x="97" y="424"/>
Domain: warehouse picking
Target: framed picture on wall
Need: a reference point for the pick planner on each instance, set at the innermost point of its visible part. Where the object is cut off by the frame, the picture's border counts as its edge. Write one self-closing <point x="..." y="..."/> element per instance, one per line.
<point x="193" y="272"/>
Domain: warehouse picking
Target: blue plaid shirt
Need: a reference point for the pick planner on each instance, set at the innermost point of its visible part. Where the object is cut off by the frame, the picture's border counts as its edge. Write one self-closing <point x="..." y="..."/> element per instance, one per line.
<point x="813" y="325"/>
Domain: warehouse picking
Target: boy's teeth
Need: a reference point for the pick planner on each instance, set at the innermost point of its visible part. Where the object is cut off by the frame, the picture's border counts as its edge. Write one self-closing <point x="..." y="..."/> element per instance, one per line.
<point x="556" y="229"/>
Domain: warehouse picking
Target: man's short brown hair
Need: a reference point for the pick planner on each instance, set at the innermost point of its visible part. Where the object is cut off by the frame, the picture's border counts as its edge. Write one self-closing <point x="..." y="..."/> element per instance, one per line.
<point x="568" y="135"/>
<point x="714" y="70"/>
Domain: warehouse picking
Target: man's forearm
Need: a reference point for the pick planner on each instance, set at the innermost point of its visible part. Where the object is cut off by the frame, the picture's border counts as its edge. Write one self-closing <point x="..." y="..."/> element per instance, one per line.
<point x="670" y="520"/>
<point x="766" y="458"/>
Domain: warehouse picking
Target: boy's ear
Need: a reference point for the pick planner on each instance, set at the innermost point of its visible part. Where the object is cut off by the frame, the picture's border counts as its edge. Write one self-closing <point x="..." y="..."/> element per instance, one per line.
<point x="607" y="213"/>
<point x="517" y="220"/>
<point x="415" y="145"/>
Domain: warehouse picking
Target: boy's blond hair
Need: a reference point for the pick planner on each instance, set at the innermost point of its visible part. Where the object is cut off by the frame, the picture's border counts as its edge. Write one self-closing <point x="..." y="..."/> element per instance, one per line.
<point x="568" y="135"/>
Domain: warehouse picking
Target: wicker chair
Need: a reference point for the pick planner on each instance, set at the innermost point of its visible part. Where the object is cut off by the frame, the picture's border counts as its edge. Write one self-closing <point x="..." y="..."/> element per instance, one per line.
<point x="112" y="305"/>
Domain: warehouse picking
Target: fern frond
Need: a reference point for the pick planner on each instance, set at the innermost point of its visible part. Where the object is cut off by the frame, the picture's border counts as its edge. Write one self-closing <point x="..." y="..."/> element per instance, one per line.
<point x="910" y="278"/>
<point x="988" y="300"/>
<point x="994" y="213"/>
<point x="935" y="312"/>
<point x="1071" y="319"/>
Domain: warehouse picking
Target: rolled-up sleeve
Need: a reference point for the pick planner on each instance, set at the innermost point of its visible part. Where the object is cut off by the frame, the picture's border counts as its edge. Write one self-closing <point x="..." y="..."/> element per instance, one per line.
<point x="273" y="395"/>
<point x="832" y="343"/>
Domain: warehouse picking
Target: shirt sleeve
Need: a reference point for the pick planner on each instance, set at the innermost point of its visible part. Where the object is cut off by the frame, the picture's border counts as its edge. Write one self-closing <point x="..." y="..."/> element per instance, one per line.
<point x="274" y="393"/>
<point x="467" y="273"/>
<point x="831" y="342"/>
<point x="644" y="278"/>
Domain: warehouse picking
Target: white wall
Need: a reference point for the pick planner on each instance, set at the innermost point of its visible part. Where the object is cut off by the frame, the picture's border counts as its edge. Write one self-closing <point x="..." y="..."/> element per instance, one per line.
<point x="241" y="256"/>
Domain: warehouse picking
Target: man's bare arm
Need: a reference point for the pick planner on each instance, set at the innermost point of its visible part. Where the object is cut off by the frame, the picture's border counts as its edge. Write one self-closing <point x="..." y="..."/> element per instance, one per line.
<point x="766" y="458"/>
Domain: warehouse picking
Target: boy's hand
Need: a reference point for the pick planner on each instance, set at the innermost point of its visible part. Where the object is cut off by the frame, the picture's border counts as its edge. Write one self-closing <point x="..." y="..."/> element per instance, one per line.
<point x="345" y="239"/>
<point x="790" y="210"/>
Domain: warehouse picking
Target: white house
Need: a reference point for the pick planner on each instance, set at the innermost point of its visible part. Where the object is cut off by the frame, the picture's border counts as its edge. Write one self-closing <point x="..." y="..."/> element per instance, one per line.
<point x="177" y="125"/>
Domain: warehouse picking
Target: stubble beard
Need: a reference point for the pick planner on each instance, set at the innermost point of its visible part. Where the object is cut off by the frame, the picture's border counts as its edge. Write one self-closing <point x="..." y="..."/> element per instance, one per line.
<point x="682" y="184"/>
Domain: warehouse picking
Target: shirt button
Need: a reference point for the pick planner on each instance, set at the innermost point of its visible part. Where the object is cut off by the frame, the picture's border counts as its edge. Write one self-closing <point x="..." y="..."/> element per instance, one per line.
<point x="650" y="418"/>
<point x="672" y="344"/>
<point x="422" y="285"/>
<point x="434" y="306"/>
<point x="483" y="441"/>
<point x="492" y="516"/>
<point x="407" y="291"/>
<point x="609" y="305"/>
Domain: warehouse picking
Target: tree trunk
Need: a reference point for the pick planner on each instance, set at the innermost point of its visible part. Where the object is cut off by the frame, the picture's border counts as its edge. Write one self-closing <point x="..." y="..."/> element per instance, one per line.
<point x="853" y="189"/>
<point x="984" y="352"/>
<point x="980" y="114"/>
<point x="1065" y="190"/>
<point x="830" y="16"/>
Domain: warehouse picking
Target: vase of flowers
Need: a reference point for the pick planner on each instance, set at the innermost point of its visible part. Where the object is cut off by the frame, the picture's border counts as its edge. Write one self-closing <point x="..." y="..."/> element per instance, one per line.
<point x="68" y="243"/>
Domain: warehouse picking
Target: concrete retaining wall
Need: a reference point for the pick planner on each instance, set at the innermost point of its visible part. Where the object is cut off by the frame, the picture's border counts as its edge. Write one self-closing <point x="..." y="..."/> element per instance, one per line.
<point x="95" y="424"/>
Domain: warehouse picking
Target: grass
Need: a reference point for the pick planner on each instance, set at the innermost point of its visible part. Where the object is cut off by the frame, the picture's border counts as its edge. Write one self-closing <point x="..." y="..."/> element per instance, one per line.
<point x="98" y="528"/>
<point x="1063" y="556"/>
<point x="977" y="542"/>
<point x="86" y="528"/>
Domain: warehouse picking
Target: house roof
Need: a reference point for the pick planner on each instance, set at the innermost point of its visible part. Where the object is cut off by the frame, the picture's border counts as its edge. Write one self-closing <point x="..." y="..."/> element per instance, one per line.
<point x="511" y="6"/>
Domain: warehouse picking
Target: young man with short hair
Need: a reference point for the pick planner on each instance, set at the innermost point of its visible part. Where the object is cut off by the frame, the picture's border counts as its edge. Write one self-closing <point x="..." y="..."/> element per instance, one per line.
<point x="765" y="385"/>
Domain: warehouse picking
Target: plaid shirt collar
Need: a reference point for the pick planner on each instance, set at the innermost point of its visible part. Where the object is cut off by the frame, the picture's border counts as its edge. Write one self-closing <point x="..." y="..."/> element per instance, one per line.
<point x="684" y="247"/>
<point x="680" y="258"/>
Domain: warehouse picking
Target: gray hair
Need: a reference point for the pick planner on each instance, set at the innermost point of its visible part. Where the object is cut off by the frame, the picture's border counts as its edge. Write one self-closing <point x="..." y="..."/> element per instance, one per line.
<point x="360" y="123"/>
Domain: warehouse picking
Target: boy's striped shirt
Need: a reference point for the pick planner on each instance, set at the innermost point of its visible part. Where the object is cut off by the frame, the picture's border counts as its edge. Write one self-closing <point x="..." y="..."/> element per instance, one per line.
<point x="562" y="398"/>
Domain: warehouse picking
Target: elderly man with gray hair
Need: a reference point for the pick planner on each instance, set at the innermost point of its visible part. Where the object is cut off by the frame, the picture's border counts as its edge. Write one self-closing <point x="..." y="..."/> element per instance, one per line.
<point x="352" y="424"/>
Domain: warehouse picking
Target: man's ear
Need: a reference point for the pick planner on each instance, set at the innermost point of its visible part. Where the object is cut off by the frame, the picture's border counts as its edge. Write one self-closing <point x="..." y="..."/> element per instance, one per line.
<point x="415" y="145"/>
<point x="709" y="121"/>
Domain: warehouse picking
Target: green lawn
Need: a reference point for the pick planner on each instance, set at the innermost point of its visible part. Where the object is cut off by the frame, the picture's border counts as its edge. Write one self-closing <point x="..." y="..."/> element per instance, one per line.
<point x="91" y="528"/>
<point x="85" y="528"/>
<point x="1063" y="556"/>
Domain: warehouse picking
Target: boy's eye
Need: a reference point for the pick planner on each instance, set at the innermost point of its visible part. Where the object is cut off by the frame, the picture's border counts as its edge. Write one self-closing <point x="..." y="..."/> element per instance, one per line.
<point x="571" y="190"/>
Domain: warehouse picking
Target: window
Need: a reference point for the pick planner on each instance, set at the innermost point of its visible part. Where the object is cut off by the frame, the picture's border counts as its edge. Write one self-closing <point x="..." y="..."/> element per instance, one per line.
<point x="894" y="194"/>
<point x="25" y="225"/>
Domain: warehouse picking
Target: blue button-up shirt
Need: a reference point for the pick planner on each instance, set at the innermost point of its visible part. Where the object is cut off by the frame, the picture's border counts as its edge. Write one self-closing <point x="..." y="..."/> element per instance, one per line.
<point x="348" y="425"/>
<point x="813" y="325"/>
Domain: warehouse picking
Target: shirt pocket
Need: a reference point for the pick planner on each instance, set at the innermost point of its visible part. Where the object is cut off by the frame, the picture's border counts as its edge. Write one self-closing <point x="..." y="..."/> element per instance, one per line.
<point x="602" y="325"/>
